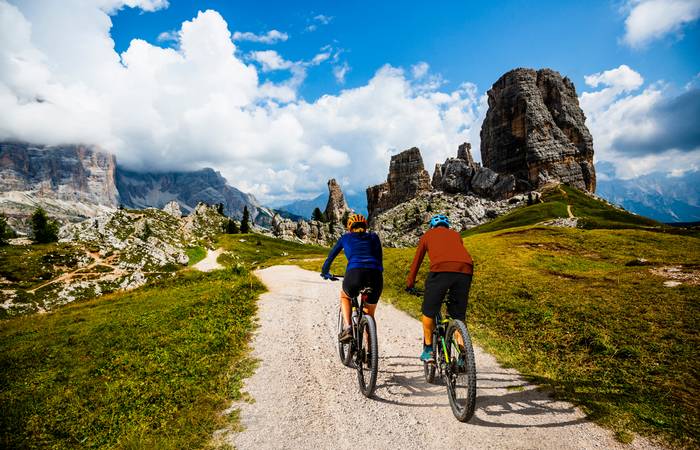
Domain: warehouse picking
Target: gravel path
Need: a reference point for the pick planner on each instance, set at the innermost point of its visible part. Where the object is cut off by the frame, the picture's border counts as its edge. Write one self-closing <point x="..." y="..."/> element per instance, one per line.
<point x="209" y="262"/>
<point x="305" y="398"/>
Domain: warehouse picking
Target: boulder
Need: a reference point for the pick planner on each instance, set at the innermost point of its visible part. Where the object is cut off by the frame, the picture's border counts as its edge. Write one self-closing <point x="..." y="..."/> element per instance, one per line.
<point x="535" y="130"/>
<point x="173" y="208"/>
<point x="407" y="178"/>
<point x="484" y="181"/>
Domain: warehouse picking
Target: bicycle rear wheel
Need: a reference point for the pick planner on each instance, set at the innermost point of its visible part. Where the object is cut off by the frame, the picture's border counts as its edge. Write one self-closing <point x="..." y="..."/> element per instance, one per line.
<point x="429" y="368"/>
<point x="460" y="371"/>
<point x="344" y="350"/>
<point x="367" y="357"/>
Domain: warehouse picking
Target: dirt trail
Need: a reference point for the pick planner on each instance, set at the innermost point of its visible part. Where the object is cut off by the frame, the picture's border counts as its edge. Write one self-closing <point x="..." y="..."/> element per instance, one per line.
<point x="569" y="212"/>
<point x="305" y="398"/>
<point x="209" y="262"/>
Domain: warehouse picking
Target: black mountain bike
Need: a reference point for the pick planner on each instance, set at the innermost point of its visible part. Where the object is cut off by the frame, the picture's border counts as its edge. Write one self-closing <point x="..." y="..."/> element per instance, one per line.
<point x="362" y="351"/>
<point x="454" y="363"/>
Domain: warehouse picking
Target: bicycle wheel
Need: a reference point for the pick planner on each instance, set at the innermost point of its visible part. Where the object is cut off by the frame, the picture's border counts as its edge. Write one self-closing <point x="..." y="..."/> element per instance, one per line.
<point x="367" y="357"/>
<point x="460" y="372"/>
<point x="344" y="350"/>
<point x="429" y="368"/>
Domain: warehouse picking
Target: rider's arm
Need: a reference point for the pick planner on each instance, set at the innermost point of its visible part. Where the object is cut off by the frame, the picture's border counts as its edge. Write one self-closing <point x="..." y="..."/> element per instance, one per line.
<point x="335" y="251"/>
<point x="378" y="249"/>
<point x="417" y="260"/>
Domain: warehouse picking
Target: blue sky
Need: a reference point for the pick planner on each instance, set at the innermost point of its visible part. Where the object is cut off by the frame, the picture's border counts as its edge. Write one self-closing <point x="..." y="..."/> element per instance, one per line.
<point x="281" y="96"/>
<point x="474" y="41"/>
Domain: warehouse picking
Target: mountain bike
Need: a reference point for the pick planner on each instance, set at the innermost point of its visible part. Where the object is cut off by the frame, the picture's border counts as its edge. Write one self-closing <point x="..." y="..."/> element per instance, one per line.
<point x="362" y="351"/>
<point x="453" y="362"/>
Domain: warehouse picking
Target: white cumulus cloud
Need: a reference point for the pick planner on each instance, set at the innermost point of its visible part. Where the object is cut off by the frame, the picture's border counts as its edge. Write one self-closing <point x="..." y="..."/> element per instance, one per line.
<point x="648" y="20"/>
<point x="640" y="130"/>
<point x="202" y="103"/>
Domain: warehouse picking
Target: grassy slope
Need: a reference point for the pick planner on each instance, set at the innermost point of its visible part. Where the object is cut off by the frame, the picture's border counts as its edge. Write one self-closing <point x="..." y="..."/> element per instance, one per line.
<point x="592" y="213"/>
<point x="150" y="367"/>
<point x="561" y="306"/>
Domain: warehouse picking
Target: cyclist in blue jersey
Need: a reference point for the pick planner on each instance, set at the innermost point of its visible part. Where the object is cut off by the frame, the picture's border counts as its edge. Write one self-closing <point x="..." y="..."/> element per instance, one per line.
<point x="363" y="251"/>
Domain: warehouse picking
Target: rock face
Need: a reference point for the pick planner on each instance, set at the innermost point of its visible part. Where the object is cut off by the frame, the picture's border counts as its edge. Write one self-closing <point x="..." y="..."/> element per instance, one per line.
<point x="336" y="206"/>
<point x="407" y="178"/>
<point x="71" y="182"/>
<point x="143" y="190"/>
<point x="535" y="130"/>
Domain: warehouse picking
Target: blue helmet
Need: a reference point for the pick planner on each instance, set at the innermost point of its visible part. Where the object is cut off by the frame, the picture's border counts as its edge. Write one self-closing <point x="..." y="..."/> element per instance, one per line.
<point x="439" y="219"/>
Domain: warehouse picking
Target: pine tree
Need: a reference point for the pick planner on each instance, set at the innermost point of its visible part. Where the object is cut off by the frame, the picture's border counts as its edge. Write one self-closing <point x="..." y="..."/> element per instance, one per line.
<point x="45" y="230"/>
<point x="331" y="227"/>
<point x="220" y="208"/>
<point x="346" y="216"/>
<point x="232" y="227"/>
<point x="317" y="215"/>
<point x="5" y="230"/>
<point x="429" y="208"/>
<point x="245" y="225"/>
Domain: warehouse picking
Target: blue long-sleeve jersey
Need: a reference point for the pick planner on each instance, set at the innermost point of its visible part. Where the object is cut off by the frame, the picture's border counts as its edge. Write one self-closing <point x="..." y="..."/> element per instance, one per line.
<point x="362" y="250"/>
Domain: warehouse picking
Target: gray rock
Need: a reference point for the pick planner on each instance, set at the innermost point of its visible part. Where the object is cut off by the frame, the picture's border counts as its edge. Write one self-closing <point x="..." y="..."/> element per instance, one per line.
<point x="173" y="208"/>
<point x="484" y="181"/>
<point x="336" y="206"/>
<point x="407" y="178"/>
<point x="535" y="130"/>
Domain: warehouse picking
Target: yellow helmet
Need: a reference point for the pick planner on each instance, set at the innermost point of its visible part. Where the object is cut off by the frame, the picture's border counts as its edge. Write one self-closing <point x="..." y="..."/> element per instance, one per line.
<point x="357" y="221"/>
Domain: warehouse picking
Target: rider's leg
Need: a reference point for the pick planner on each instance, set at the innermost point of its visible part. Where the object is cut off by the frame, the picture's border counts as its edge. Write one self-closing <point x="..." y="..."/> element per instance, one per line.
<point x="428" y="327"/>
<point x="457" y="299"/>
<point x="370" y="309"/>
<point x="346" y="307"/>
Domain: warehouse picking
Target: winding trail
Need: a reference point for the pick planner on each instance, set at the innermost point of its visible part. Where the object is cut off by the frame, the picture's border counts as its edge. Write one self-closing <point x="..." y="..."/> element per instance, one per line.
<point x="303" y="397"/>
<point x="209" y="262"/>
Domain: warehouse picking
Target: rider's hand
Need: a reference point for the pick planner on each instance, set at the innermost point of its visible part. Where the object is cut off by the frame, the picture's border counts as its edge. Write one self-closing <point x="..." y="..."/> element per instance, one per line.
<point x="326" y="276"/>
<point x="411" y="290"/>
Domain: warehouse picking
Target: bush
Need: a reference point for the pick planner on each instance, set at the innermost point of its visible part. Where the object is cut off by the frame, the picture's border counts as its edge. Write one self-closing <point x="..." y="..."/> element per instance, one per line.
<point x="45" y="230"/>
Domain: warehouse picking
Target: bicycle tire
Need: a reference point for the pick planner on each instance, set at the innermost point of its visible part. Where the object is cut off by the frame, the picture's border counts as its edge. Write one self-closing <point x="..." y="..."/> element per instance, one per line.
<point x="344" y="350"/>
<point x="429" y="368"/>
<point x="367" y="368"/>
<point x="460" y="378"/>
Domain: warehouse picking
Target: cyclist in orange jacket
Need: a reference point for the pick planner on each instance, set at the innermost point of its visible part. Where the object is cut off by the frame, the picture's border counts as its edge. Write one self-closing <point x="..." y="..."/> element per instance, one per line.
<point x="451" y="269"/>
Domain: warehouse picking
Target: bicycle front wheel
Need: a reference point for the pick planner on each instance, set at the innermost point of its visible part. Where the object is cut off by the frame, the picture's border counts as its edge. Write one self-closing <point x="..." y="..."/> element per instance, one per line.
<point x="367" y="357"/>
<point x="460" y="371"/>
<point x="344" y="350"/>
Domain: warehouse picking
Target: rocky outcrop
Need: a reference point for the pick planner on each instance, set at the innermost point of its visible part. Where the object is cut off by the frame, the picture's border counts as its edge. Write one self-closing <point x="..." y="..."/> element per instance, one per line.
<point x="407" y="178"/>
<point x="144" y="190"/>
<point x="336" y="206"/>
<point x="403" y="225"/>
<point x="535" y="130"/>
<point x="461" y="175"/>
<point x="307" y="232"/>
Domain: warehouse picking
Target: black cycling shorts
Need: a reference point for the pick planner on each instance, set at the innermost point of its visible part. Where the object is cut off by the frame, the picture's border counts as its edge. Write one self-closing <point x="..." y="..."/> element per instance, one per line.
<point x="356" y="279"/>
<point x="451" y="285"/>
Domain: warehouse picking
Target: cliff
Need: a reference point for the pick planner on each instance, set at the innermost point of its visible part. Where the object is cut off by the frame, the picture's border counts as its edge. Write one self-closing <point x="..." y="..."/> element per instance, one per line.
<point x="535" y="130"/>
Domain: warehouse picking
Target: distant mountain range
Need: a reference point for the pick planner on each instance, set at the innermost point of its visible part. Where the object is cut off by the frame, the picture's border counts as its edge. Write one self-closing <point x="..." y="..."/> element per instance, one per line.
<point x="73" y="182"/>
<point x="657" y="195"/>
<point x="305" y="208"/>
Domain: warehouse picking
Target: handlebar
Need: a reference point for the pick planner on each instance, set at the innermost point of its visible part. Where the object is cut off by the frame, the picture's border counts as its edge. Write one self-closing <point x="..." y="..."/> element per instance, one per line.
<point x="414" y="291"/>
<point x="331" y="277"/>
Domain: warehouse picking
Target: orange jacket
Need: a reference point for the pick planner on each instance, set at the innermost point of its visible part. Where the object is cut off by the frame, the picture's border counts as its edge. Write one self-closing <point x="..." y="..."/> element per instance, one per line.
<point x="445" y="250"/>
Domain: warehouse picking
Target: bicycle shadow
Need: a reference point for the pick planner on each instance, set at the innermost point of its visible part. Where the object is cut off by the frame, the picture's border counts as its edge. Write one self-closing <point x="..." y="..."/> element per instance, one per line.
<point x="504" y="399"/>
